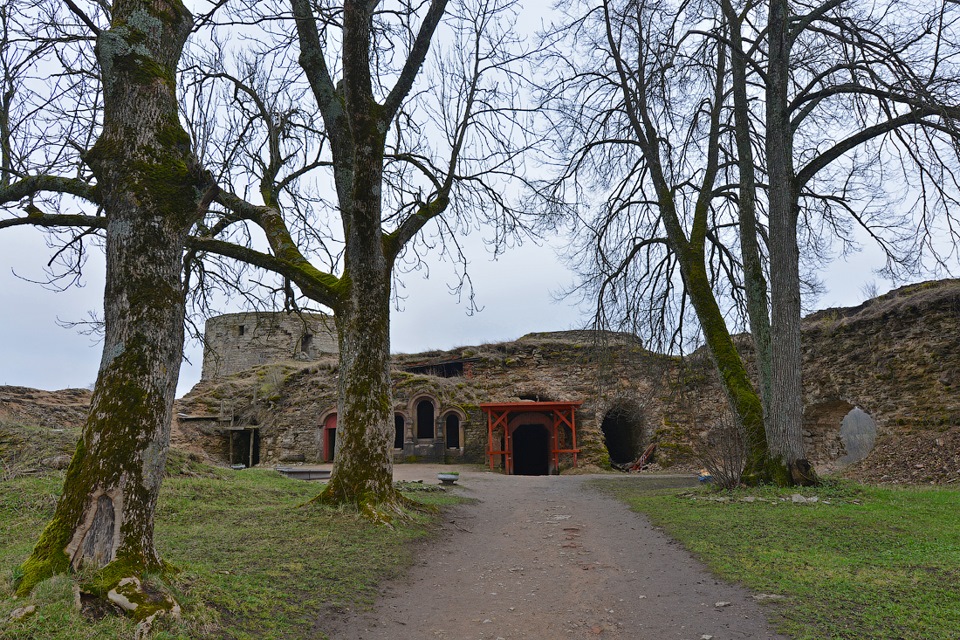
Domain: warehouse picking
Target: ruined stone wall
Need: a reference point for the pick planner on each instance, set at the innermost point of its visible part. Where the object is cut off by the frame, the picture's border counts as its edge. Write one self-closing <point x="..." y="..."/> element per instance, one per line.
<point x="289" y="402"/>
<point x="896" y="357"/>
<point x="238" y="341"/>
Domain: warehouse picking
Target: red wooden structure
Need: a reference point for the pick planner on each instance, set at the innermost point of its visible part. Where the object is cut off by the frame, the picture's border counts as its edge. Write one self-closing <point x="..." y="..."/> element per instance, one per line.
<point x="503" y="418"/>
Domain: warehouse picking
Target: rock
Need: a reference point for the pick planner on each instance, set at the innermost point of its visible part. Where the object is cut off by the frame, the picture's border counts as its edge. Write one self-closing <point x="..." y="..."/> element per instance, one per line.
<point x="720" y="605"/>
<point x="23" y="612"/>
<point x="798" y="499"/>
<point x="56" y="462"/>
<point x="130" y="593"/>
<point x="763" y="597"/>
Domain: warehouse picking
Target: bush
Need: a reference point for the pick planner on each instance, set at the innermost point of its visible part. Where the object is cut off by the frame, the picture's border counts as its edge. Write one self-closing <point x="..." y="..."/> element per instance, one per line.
<point x="723" y="452"/>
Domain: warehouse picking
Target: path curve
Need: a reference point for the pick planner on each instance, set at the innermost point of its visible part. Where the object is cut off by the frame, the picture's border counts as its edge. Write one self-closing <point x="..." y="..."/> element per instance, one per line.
<point x="547" y="557"/>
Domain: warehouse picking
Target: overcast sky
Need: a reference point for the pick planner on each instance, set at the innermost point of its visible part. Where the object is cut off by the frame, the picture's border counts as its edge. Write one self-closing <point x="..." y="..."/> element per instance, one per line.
<point x="516" y="294"/>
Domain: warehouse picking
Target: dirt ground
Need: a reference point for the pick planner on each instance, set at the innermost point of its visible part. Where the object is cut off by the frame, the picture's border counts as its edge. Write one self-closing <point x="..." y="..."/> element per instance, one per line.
<point x="547" y="557"/>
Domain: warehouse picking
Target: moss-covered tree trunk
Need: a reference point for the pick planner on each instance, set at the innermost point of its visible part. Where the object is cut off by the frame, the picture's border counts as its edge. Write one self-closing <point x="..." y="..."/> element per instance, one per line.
<point x="151" y="191"/>
<point x="743" y="397"/>
<point x="786" y="402"/>
<point x="754" y="280"/>
<point x="363" y="465"/>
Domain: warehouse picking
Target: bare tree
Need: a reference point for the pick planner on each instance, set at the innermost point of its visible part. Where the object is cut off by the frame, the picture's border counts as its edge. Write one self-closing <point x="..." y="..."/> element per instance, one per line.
<point x="405" y="133"/>
<point x="641" y="115"/>
<point x="822" y="105"/>
<point x="860" y="108"/>
<point x="126" y="155"/>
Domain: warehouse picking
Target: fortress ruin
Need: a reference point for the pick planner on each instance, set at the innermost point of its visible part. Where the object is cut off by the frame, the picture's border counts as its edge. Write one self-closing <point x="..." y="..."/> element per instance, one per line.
<point x="269" y="397"/>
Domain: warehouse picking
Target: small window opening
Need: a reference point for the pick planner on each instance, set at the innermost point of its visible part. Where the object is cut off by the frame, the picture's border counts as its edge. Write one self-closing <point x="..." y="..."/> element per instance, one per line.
<point x="241" y="329"/>
<point x="305" y="343"/>
<point x="439" y="369"/>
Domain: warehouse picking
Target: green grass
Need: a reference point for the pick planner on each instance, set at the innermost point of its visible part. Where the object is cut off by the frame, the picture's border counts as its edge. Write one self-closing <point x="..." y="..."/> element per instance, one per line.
<point x="254" y="562"/>
<point x="861" y="563"/>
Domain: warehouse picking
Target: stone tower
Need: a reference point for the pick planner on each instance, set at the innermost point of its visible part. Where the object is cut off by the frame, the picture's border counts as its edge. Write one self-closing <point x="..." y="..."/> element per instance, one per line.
<point x="237" y="341"/>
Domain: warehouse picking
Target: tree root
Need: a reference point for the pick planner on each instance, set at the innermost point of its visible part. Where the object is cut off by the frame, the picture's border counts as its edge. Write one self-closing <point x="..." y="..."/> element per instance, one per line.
<point x="383" y="510"/>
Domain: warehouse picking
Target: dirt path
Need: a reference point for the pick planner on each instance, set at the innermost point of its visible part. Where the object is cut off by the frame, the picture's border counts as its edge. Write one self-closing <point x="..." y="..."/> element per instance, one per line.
<point x="547" y="558"/>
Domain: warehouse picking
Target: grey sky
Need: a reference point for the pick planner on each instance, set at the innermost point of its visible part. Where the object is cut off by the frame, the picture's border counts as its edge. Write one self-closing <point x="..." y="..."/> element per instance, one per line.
<point x="515" y="293"/>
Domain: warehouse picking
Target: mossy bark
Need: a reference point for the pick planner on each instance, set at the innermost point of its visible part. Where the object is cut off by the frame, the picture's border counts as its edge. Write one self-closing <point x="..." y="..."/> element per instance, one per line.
<point x="363" y="463"/>
<point x="754" y="280"/>
<point x="786" y="402"/>
<point x="152" y="190"/>
<point x="743" y="397"/>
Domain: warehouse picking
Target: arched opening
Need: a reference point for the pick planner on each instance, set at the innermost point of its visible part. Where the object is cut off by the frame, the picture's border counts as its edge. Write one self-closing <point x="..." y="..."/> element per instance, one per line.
<point x="623" y="432"/>
<point x="425" y="420"/>
<point x="329" y="437"/>
<point x="398" y="431"/>
<point x="531" y="450"/>
<point x="306" y="343"/>
<point x="452" y="424"/>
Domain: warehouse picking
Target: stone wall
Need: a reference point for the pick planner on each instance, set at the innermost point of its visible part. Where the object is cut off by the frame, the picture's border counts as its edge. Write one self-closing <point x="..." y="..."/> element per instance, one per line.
<point x="653" y="396"/>
<point x="239" y="341"/>
<point x="896" y="357"/>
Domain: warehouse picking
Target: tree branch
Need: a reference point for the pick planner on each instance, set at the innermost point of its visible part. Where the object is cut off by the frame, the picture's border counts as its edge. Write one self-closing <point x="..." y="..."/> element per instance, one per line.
<point x="415" y="59"/>
<point x="33" y="185"/>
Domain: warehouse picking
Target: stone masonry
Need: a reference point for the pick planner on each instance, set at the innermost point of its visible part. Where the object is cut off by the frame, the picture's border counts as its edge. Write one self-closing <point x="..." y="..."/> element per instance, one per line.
<point x="239" y="341"/>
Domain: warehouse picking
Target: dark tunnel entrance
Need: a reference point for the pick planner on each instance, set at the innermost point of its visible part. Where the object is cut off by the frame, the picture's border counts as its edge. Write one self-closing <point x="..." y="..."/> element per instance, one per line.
<point x="623" y="433"/>
<point x="531" y="450"/>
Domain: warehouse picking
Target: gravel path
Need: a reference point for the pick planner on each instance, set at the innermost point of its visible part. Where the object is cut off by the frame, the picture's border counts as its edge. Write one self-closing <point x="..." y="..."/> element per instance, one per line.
<point x="548" y="558"/>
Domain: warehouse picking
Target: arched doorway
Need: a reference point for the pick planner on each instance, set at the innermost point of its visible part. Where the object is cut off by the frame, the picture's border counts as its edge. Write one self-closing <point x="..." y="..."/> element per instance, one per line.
<point x="509" y="421"/>
<point x="622" y="428"/>
<point x="425" y="419"/>
<point x="531" y="450"/>
<point x="329" y="437"/>
<point x="452" y="424"/>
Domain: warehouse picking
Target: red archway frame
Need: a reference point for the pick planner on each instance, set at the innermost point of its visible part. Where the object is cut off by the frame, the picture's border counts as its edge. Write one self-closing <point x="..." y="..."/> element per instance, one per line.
<point x="498" y="417"/>
<point x="329" y="424"/>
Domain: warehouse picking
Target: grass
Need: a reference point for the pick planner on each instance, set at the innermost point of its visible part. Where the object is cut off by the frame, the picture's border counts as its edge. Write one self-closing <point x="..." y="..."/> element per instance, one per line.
<point x="860" y="563"/>
<point x="253" y="562"/>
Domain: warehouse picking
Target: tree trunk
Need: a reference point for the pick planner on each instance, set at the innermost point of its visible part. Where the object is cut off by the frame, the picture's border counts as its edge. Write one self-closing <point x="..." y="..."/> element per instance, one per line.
<point x="744" y="399"/>
<point x="786" y="435"/>
<point x="152" y="192"/>
<point x="363" y="463"/>
<point x="753" y="277"/>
